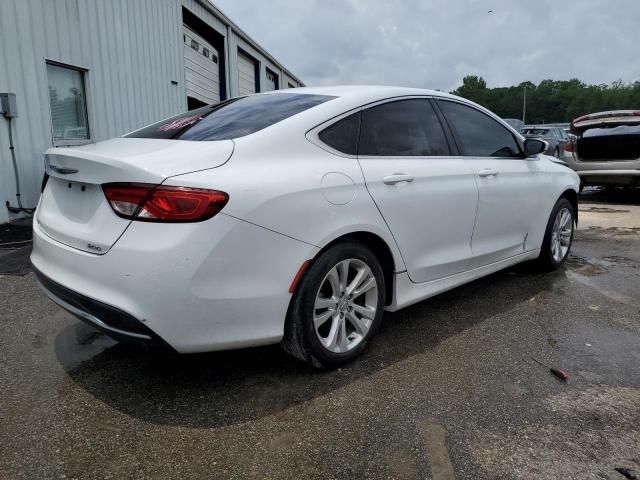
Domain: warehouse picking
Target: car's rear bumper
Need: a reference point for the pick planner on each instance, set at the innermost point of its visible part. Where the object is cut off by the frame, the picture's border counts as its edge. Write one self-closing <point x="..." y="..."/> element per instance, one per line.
<point x="619" y="173"/>
<point x="610" y="177"/>
<point x="106" y="318"/>
<point x="605" y="173"/>
<point x="213" y="285"/>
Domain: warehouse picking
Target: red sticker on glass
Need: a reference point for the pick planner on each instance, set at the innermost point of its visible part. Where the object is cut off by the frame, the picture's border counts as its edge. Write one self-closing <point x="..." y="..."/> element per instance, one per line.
<point x="180" y="123"/>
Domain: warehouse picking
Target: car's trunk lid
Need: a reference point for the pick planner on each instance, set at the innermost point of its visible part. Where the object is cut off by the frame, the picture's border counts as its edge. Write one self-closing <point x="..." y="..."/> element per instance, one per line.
<point x="74" y="210"/>
<point x="613" y="118"/>
<point x="607" y="136"/>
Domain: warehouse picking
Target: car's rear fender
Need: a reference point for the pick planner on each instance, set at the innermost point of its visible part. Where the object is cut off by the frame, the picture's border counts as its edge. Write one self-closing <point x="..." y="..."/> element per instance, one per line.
<point x="297" y="189"/>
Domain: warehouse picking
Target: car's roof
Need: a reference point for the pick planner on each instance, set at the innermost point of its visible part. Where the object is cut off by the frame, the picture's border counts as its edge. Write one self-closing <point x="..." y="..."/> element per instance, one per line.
<point x="348" y="97"/>
<point x="364" y="92"/>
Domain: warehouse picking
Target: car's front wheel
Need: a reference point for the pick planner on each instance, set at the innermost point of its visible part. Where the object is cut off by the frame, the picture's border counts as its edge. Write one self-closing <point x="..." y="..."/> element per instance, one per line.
<point x="337" y="307"/>
<point x="558" y="235"/>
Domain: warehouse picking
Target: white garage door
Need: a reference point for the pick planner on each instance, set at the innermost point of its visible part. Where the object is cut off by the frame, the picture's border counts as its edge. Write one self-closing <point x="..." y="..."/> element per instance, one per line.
<point x="246" y="74"/>
<point x="202" y="70"/>
<point x="272" y="81"/>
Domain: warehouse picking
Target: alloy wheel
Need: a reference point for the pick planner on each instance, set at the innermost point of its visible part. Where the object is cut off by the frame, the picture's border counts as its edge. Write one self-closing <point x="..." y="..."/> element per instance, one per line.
<point x="345" y="305"/>
<point x="561" y="234"/>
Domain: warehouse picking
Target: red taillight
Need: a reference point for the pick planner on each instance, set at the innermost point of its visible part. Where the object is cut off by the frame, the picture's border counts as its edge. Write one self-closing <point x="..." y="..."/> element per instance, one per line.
<point x="568" y="147"/>
<point x="151" y="203"/>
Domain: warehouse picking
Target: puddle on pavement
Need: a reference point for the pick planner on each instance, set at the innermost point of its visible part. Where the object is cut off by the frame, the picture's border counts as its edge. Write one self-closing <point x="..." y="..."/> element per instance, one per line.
<point x="602" y="210"/>
<point x="623" y="230"/>
<point x="617" y="260"/>
<point x="78" y="343"/>
<point x="609" y="233"/>
<point x="583" y="267"/>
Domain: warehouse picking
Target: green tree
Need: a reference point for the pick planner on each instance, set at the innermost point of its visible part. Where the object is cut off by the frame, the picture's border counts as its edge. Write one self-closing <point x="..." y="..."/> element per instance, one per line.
<point x="551" y="101"/>
<point x="474" y="88"/>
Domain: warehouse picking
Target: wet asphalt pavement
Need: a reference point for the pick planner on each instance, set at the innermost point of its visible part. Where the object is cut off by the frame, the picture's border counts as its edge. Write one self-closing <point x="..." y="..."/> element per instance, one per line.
<point x="447" y="388"/>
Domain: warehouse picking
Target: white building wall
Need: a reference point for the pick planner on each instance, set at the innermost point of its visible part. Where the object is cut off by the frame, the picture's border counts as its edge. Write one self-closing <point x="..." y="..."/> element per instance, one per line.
<point x="132" y="51"/>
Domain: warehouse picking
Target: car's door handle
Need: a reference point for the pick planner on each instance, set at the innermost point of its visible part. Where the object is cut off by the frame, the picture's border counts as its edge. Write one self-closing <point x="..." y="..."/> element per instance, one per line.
<point x="487" y="172"/>
<point x="397" y="178"/>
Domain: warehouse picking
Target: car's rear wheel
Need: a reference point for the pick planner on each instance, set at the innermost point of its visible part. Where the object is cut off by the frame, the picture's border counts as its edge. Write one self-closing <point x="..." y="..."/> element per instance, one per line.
<point x="337" y="307"/>
<point x="558" y="237"/>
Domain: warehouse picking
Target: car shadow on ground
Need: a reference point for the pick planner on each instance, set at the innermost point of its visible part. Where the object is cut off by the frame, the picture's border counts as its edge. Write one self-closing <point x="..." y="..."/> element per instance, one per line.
<point x="226" y="388"/>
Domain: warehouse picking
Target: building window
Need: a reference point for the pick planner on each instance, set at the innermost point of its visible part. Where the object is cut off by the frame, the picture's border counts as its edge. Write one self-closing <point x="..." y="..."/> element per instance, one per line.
<point x="195" y="45"/>
<point x="68" y="104"/>
<point x="205" y="52"/>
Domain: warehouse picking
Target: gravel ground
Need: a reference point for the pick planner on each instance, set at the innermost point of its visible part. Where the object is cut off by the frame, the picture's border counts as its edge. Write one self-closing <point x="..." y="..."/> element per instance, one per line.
<point x="448" y="389"/>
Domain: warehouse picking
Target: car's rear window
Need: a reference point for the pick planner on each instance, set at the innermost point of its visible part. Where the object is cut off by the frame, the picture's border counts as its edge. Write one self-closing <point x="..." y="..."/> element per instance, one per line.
<point x="231" y="119"/>
<point x="535" y="131"/>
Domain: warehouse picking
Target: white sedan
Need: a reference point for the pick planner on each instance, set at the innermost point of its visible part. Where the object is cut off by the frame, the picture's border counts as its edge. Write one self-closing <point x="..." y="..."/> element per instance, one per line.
<point x="297" y="217"/>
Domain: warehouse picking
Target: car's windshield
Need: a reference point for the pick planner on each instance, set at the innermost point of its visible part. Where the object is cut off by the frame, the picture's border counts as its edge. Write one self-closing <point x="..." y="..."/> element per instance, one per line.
<point x="231" y="119"/>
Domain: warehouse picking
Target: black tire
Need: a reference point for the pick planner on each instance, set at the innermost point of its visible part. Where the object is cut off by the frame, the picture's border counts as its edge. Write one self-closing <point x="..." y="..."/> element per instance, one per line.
<point x="546" y="260"/>
<point x="300" y="339"/>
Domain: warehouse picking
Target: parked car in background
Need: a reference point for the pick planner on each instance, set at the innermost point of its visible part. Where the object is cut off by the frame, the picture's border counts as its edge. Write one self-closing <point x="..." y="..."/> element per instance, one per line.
<point x="294" y="216"/>
<point x="516" y="123"/>
<point x="556" y="138"/>
<point x="606" y="148"/>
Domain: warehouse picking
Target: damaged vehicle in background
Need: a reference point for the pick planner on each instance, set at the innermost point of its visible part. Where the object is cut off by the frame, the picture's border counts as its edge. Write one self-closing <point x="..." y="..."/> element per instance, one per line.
<point x="606" y="148"/>
<point x="555" y="137"/>
<point x="515" y="123"/>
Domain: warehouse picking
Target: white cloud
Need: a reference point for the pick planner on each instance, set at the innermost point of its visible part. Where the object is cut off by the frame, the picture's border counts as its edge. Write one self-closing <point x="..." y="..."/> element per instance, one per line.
<point x="435" y="43"/>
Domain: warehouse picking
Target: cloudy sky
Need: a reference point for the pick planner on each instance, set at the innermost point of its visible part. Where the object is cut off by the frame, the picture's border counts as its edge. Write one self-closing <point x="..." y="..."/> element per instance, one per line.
<point x="434" y="43"/>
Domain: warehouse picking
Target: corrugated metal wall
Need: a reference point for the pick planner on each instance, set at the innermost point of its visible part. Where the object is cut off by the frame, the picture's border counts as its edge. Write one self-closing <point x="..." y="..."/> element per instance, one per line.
<point x="132" y="51"/>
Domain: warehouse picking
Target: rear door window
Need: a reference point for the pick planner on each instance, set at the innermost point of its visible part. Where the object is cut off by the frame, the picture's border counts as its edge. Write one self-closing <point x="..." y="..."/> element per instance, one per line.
<point x="234" y="118"/>
<point x="402" y="128"/>
<point x="480" y="135"/>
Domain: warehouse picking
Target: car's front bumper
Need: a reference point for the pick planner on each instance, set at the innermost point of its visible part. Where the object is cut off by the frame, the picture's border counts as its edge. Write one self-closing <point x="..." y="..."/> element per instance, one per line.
<point x="212" y="285"/>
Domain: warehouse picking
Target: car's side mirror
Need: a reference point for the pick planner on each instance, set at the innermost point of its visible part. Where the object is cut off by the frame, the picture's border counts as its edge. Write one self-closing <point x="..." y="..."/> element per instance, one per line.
<point x="534" y="146"/>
